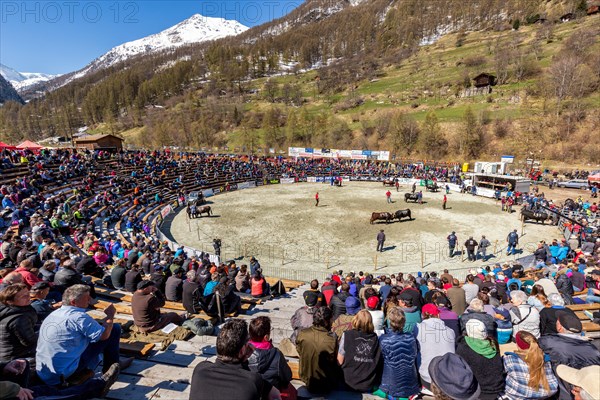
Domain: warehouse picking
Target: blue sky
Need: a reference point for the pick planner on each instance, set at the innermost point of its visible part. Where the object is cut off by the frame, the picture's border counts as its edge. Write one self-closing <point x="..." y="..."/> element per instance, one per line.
<point x="64" y="35"/>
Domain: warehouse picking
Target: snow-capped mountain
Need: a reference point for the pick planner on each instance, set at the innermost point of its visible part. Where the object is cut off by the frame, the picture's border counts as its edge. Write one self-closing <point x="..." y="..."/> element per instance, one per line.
<point x="195" y="29"/>
<point x="23" y="80"/>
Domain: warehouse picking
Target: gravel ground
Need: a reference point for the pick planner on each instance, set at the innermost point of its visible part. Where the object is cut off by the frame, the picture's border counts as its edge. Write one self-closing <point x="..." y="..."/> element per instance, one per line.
<point x="281" y="226"/>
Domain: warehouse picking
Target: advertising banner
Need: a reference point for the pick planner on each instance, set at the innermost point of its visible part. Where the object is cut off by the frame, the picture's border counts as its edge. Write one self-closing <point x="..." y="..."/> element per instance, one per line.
<point x="166" y="211"/>
<point x="287" y="180"/>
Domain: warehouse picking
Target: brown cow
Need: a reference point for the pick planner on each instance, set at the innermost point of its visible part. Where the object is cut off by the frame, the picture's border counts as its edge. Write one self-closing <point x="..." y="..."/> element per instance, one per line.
<point x="202" y="210"/>
<point x="383" y="216"/>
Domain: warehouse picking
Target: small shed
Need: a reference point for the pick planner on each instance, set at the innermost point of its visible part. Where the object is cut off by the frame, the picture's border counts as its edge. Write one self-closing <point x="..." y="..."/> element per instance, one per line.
<point x="483" y="80"/>
<point x="99" y="142"/>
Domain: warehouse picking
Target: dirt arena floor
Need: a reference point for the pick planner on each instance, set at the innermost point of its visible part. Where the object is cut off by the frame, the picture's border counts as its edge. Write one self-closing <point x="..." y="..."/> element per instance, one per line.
<point x="281" y="227"/>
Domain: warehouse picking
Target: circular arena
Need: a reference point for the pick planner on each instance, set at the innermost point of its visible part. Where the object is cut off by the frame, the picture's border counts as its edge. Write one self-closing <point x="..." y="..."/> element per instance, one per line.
<point x="292" y="238"/>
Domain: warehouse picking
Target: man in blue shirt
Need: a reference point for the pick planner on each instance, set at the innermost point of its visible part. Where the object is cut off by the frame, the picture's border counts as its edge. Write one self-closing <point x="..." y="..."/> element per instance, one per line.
<point x="71" y="341"/>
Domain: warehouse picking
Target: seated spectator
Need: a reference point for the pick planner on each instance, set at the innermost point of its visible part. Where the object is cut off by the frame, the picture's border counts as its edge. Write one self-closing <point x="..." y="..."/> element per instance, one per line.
<point x="400" y="351"/>
<point x="303" y="317"/>
<point x="344" y="322"/>
<point x="412" y="314"/>
<point x="523" y="316"/>
<point x="537" y="298"/>
<point x="67" y="276"/>
<point x="259" y="286"/>
<point x="88" y="266"/>
<point x="564" y="284"/>
<point x="229" y="377"/>
<point x="476" y="311"/>
<point x="29" y="278"/>
<point x="159" y="278"/>
<point x="338" y="301"/>
<point x="470" y="288"/>
<point x="230" y="301"/>
<point x="547" y="284"/>
<point x="584" y="381"/>
<point x="528" y="375"/>
<point x="191" y="294"/>
<point x="314" y="288"/>
<point x="117" y="275"/>
<point x="42" y="307"/>
<point x="47" y="271"/>
<point x="457" y="297"/>
<point x="482" y="354"/>
<point x="132" y="278"/>
<point x="242" y="280"/>
<point x="435" y="339"/>
<point x="548" y="316"/>
<point x="376" y="314"/>
<point x="17" y="323"/>
<point x="267" y="360"/>
<point x="10" y="279"/>
<point x="316" y="347"/>
<point x="145" y="306"/>
<point x="211" y="285"/>
<point x="593" y="295"/>
<point x="328" y="290"/>
<point x="359" y="354"/>
<point x="452" y="378"/>
<point x="174" y="286"/>
<point x="447" y="316"/>
<point x="72" y="351"/>
<point x="569" y="348"/>
<point x="14" y="375"/>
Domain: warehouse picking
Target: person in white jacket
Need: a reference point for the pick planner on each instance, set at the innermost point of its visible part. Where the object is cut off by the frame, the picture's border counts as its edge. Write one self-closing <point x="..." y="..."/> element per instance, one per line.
<point x="523" y="316"/>
<point x="435" y="339"/>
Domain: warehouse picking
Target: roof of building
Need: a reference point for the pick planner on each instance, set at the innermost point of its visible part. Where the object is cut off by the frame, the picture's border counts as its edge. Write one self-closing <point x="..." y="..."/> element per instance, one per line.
<point x="94" y="138"/>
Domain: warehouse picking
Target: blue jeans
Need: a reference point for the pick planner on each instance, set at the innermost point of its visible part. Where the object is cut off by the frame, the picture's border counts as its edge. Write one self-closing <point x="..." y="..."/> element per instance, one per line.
<point x="591" y="297"/>
<point x="512" y="248"/>
<point x="109" y="349"/>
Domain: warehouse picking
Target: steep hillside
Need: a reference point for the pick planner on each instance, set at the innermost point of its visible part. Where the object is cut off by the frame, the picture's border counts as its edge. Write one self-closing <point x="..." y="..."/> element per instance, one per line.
<point x="8" y="93"/>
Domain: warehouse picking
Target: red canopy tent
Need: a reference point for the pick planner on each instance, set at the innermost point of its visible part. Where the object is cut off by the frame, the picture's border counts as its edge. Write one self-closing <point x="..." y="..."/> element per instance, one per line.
<point x="6" y="146"/>
<point x="29" y="145"/>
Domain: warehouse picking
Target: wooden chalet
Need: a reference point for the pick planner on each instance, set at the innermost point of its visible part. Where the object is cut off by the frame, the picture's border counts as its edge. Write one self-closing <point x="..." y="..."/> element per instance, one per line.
<point x="100" y="142"/>
<point x="483" y="80"/>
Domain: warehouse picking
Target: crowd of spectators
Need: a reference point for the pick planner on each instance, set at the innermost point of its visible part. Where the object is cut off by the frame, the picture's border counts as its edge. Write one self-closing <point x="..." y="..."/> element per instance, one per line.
<point x="394" y="336"/>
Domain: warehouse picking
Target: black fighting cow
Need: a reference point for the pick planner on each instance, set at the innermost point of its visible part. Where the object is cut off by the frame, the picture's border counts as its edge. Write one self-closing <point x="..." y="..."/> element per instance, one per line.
<point x="432" y="187"/>
<point x="536" y="216"/>
<point x="411" y="196"/>
<point x="389" y="182"/>
<point x="403" y="213"/>
<point x="381" y="216"/>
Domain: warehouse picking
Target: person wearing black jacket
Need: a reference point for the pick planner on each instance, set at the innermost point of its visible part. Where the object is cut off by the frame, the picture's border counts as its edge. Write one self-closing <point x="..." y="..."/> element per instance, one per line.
<point x="268" y="360"/>
<point x="174" y="285"/>
<point x="159" y="278"/>
<point x="569" y="348"/>
<point x="132" y="278"/>
<point x="17" y="323"/>
<point x="117" y="275"/>
<point x="338" y="301"/>
<point x="564" y="284"/>
<point x="191" y="294"/>
<point x="88" y="266"/>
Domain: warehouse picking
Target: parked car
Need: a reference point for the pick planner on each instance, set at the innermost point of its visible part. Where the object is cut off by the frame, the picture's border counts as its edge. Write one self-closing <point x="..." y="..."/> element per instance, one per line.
<point x="574" y="184"/>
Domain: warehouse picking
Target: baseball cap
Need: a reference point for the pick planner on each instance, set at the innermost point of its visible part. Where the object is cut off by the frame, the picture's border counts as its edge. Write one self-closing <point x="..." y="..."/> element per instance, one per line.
<point x="372" y="302"/>
<point x="40" y="286"/>
<point x="430" y="309"/>
<point x="311" y="298"/>
<point x="569" y="321"/>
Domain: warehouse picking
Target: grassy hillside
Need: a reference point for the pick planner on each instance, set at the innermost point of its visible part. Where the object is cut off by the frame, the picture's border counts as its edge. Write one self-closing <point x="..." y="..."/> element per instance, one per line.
<point x="430" y="80"/>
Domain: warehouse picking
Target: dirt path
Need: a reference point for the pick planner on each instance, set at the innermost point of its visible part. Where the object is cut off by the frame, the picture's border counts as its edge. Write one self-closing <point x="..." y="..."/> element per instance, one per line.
<point x="280" y="224"/>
